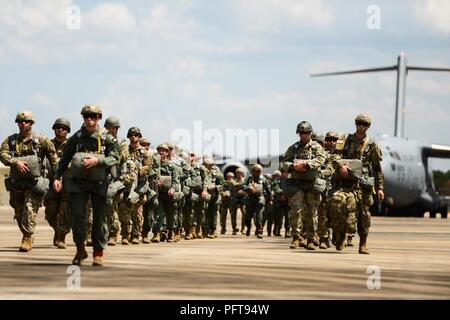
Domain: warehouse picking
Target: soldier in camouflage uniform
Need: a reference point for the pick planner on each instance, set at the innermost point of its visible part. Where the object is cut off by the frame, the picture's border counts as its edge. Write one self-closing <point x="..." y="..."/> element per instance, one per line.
<point x="268" y="214"/>
<point x="238" y="199"/>
<point x="112" y="125"/>
<point x="302" y="161"/>
<point x="56" y="212"/>
<point x="360" y="146"/>
<point x="149" y="208"/>
<point x="225" y="204"/>
<point x="26" y="183"/>
<point x="199" y="203"/>
<point x="258" y="190"/>
<point x="212" y="187"/>
<point x="131" y="216"/>
<point x="327" y="171"/>
<point x="90" y="179"/>
<point x="168" y="183"/>
<point x="280" y="205"/>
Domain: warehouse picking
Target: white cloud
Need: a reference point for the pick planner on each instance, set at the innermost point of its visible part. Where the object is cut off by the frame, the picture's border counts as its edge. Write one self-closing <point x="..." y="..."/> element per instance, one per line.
<point x="435" y="14"/>
<point x="110" y="18"/>
<point x="275" y="15"/>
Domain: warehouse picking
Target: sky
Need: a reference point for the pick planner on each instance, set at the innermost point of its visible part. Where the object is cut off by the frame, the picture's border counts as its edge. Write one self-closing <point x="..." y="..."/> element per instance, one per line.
<point x="197" y="72"/>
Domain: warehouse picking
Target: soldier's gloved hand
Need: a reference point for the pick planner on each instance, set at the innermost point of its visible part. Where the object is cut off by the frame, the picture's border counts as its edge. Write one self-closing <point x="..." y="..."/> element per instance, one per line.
<point x="171" y="192"/>
<point x="22" y="166"/>
<point x="90" y="162"/>
<point x="380" y="195"/>
<point x="57" y="185"/>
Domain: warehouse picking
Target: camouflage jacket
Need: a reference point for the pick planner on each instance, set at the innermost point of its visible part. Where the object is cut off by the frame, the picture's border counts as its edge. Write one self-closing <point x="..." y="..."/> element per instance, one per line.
<point x="369" y="153"/>
<point x="311" y="152"/>
<point x="169" y="169"/>
<point x="262" y="187"/>
<point x="212" y="177"/>
<point x="143" y="159"/>
<point x="36" y="144"/>
<point x="99" y="142"/>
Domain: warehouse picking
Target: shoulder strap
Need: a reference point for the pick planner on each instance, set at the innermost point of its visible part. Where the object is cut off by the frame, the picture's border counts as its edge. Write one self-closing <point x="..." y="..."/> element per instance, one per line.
<point x="12" y="141"/>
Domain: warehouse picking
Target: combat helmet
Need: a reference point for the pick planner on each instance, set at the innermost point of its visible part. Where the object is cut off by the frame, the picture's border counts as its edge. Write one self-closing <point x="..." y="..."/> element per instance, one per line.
<point x="112" y="122"/>
<point x="91" y="108"/>
<point x="304" y="126"/>
<point x="257" y="167"/>
<point x="62" y="122"/>
<point x="163" y="146"/>
<point x="332" y="135"/>
<point x="317" y="136"/>
<point x="25" y="116"/>
<point x="134" y="130"/>
<point x="363" y="118"/>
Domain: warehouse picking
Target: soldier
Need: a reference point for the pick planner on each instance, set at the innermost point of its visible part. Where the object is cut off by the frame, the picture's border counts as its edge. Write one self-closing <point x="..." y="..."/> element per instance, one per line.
<point x="212" y="187"/>
<point x="56" y="212"/>
<point x="323" y="230"/>
<point x="225" y="204"/>
<point x="24" y="152"/>
<point x="133" y="213"/>
<point x="360" y="146"/>
<point x="168" y="183"/>
<point x="302" y="161"/>
<point x="280" y="206"/>
<point x="91" y="151"/>
<point x="268" y="209"/>
<point x="238" y="199"/>
<point x="145" y="143"/>
<point x="199" y="203"/>
<point x="112" y="125"/>
<point x="259" y="192"/>
<point x="318" y="137"/>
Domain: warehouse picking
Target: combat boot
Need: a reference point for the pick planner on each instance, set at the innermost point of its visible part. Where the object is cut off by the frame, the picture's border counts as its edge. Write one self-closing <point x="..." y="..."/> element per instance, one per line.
<point x="323" y="244"/>
<point x="259" y="234"/>
<point x="125" y="241"/>
<point x="80" y="255"/>
<point x="98" y="258"/>
<point x="170" y="236"/>
<point x="295" y="242"/>
<point x="145" y="238"/>
<point x="189" y="235"/>
<point x="350" y="241"/>
<point x="176" y="238"/>
<point x="269" y="231"/>
<point x="62" y="241"/>
<point x="287" y="234"/>
<point x="302" y="243"/>
<point x="163" y="235"/>
<point x="310" y="245"/>
<point x="56" y="239"/>
<point x="340" y="241"/>
<point x="363" y="245"/>
<point x="25" y="244"/>
<point x="235" y="230"/>
<point x="111" y="240"/>
<point x="89" y="239"/>
<point x="135" y="240"/>
<point x="156" y="237"/>
<point x="247" y="233"/>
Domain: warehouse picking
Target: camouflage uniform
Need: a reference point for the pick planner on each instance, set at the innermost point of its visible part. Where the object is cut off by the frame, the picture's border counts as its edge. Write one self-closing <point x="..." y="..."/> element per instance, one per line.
<point x="225" y="204"/>
<point x="56" y="204"/>
<point x="213" y="182"/>
<point x="280" y="207"/>
<point x="24" y="198"/>
<point x="192" y="183"/>
<point x="370" y="154"/>
<point x="256" y="202"/>
<point x="199" y="204"/>
<point x="149" y="209"/>
<point x="304" y="197"/>
<point x="238" y="200"/>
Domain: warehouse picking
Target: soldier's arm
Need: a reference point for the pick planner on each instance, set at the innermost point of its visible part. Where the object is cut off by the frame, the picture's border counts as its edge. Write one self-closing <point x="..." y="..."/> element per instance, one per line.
<point x="112" y="153"/>
<point x="66" y="157"/>
<point x="175" y="178"/>
<point x="49" y="151"/>
<point x="5" y="157"/>
<point x="377" y="157"/>
<point x="267" y="190"/>
<point x="131" y="175"/>
<point x="246" y="184"/>
<point x="319" y="159"/>
<point x="288" y="159"/>
<point x="220" y="182"/>
<point x="146" y="167"/>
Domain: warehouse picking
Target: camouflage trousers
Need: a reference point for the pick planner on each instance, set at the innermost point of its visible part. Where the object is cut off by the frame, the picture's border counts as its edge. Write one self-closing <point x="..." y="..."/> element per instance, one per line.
<point x="280" y="211"/>
<point x="303" y="213"/>
<point x="343" y="209"/>
<point x="149" y="215"/>
<point x="323" y="223"/>
<point x="112" y="214"/>
<point x="165" y="211"/>
<point x="255" y="211"/>
<point x="211" y="214"/>
<point x="131" y="217"/>
<point x="223" y="209"/>
<point x="233" y="212"/>
<point x="364" y="202"/>
<point x="198" y="218"/>
<point x="57" y="213"/>
<point x="26" y="204"/>
<point x="89" y="218"/>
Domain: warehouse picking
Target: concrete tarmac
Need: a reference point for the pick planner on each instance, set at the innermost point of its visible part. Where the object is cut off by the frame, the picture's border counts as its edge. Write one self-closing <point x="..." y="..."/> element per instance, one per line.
<point x="411" y="256"/>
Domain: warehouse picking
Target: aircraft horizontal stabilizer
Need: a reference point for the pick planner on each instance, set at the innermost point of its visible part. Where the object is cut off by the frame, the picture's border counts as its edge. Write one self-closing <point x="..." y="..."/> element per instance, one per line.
<point x="355" y="71"/>
<point x="437" y="151"/>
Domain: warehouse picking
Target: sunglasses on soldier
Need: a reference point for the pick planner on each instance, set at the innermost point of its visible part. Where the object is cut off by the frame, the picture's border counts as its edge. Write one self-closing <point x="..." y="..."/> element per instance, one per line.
<point x="61" y="128"/>
<point x="361" y="123"/>
<point x="90" y="116"/>
<point x="331" y="139"/>
<point x="24" y="121"/>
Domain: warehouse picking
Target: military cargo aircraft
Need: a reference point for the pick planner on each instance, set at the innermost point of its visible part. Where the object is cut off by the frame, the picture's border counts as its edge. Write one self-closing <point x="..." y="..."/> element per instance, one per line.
<point x="409" y="188"/>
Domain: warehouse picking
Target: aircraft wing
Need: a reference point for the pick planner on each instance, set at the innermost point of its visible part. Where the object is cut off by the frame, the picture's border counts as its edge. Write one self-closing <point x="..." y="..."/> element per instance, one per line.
<point x="437" y="151"/>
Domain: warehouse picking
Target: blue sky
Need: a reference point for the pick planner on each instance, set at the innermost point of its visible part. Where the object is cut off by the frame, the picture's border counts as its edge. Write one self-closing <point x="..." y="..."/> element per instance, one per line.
<point x="161" y="65"/>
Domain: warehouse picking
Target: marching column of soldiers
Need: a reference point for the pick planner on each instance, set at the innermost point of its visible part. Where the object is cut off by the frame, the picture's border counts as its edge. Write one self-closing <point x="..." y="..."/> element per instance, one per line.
<point x="100" y="186"/>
